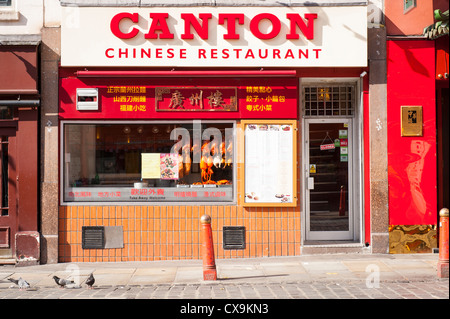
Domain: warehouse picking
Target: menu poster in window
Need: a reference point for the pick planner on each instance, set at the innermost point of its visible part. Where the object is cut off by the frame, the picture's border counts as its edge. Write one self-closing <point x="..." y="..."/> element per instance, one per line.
<point x="150" y="165"/>
<point x="169" y="166"/>
<point x="269" y="164"/>
<point x="159" y="166"/>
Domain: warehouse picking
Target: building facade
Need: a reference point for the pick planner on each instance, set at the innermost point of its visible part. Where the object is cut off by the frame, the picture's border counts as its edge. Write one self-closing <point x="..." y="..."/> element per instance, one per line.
<point x="20" y="37"/>
<point x="417" y="137"/>
<point x="253" y="115"/>
<point x="280" y="120"/>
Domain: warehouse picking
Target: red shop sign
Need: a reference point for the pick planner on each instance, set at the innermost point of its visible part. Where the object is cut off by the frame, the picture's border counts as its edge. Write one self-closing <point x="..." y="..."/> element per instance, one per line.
<point x="186" y="98"/>
<point x="216" y="99"/>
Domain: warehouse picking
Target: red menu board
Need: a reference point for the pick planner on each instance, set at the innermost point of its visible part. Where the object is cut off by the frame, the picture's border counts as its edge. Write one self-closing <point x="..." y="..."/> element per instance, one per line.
<point x="185" y="98"/>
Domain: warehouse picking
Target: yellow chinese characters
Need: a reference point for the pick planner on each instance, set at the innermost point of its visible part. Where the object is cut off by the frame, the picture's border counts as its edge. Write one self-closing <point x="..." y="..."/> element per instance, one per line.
<point x="129" y="99"/>
<point x="261" y="102"/>
<point x="133" y="108"/>
<point x="125" y="89"/>
<point x="259" y="108"/>
<point x="126" y="101"/>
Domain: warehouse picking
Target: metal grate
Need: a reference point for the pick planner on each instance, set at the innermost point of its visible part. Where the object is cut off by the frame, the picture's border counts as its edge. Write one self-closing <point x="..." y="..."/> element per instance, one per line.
<point x="93" y="237"/>
<point x="337" y="100"/>
<point x="233" y="237"/>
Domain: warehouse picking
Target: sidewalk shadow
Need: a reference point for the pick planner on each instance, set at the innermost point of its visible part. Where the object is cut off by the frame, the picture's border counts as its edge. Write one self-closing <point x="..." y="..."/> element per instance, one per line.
<point x="250" y="277"/>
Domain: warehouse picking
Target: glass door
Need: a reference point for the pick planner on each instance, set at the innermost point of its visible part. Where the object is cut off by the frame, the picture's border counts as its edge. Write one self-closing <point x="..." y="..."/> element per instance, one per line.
<point x="328" y="166"/>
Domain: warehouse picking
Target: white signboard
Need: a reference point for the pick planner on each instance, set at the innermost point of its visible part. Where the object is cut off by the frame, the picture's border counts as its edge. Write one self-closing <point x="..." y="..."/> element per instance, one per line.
<point x="214" y="36"/>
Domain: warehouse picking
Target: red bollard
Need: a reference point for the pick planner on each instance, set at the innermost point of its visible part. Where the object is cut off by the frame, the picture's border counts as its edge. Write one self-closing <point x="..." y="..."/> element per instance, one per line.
<point x="209" y="264"/>
<point x="442" y="267"/>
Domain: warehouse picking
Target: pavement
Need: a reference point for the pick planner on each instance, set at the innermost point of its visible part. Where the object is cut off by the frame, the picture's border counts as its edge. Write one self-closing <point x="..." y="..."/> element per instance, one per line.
<point x="340" y="276"/>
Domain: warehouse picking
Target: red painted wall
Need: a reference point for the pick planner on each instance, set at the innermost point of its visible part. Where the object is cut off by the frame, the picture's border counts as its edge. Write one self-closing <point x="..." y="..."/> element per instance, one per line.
<point x="411" y="160"/>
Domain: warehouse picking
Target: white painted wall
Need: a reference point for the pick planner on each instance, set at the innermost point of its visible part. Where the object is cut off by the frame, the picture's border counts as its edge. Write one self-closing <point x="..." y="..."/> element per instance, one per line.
<point x="27" y="17"/>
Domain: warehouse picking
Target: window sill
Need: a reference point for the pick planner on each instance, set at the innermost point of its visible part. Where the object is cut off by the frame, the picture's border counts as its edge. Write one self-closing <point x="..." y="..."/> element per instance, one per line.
<point x="9" y="15"/>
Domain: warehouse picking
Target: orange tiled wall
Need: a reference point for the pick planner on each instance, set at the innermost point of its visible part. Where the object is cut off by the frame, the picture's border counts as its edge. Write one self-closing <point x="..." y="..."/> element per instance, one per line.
<point x="174" y="232"/>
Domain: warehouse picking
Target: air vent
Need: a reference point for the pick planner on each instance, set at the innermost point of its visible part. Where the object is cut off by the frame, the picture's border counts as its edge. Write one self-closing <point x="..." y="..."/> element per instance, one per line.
<point x="233" y="237"/>
<point x="93" y="237"/>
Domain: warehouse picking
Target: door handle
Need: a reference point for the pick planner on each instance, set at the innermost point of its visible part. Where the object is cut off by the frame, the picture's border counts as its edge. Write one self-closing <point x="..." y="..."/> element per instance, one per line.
<point x="310" y="183"/>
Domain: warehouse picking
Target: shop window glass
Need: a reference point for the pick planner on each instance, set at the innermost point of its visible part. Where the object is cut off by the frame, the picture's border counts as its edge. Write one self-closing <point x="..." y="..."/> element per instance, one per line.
<point x="148" y="162"/>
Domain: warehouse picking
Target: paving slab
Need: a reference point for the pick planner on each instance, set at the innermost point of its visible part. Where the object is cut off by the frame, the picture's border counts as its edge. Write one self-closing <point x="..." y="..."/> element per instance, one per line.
<point x="145" y="276"/>
<point x="366" y="266"/>
<point x="189" y="275"/>
<point x="240" y="272"/>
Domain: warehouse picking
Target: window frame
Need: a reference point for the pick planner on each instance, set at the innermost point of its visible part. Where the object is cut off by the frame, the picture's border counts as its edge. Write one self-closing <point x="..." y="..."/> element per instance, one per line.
<point x="5" y="3"/>
<point x="61" y="160"/>
<point x="9" y="11"/>
<point x="408" y="5"/>
<point x="319" y="104"/>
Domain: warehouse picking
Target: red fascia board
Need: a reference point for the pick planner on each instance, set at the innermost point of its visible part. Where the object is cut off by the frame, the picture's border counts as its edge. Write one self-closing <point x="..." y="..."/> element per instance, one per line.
<point x="136" y="74"/>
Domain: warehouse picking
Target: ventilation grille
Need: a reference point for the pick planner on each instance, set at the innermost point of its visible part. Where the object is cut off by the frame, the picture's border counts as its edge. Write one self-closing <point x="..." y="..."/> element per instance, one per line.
<point x="93" y="237"/>
<point x="233" y="237"/>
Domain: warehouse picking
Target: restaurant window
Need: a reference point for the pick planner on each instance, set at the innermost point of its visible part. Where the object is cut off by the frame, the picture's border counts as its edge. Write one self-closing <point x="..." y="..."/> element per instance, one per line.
<point x="148" y="162"/>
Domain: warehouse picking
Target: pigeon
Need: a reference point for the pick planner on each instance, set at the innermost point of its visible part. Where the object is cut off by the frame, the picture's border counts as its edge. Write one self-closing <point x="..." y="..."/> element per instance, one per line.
<point x="22" y="283"/>
<point x="62" y="282"/>
<point x="90" y="281"/>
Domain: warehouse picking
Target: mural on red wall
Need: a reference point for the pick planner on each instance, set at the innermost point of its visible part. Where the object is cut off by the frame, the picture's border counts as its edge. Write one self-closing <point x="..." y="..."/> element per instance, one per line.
<point x="411" y="160"/>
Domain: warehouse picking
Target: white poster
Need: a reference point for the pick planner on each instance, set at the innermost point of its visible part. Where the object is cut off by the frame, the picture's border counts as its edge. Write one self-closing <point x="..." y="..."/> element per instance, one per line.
<point x="268" y="163"/>
<point x="150" y="165"/>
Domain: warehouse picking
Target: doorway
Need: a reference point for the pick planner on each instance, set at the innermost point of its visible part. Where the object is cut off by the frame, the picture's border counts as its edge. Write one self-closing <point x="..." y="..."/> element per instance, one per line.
<point x="8" y="218"/>
<point x="329" y="187"/>
<point x="332" y="171"/>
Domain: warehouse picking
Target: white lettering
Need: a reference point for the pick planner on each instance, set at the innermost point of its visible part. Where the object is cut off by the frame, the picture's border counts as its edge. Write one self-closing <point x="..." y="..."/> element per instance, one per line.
<point x="208" y="310"/>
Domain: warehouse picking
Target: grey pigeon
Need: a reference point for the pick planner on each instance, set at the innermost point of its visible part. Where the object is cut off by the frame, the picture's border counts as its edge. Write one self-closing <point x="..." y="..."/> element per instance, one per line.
<point x="22" y="283"/>
<point x="90" y="281"/>
<point x="62" y="282"/>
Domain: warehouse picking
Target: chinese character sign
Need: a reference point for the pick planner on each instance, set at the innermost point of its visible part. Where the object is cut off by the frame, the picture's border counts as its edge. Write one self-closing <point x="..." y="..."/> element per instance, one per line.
<point x="199" y="98"/>
<point x="196" y="98"/>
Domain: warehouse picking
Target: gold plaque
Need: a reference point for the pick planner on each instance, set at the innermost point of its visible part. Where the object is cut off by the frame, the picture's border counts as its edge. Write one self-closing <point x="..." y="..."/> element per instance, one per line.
<point x="412" y="121"/>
